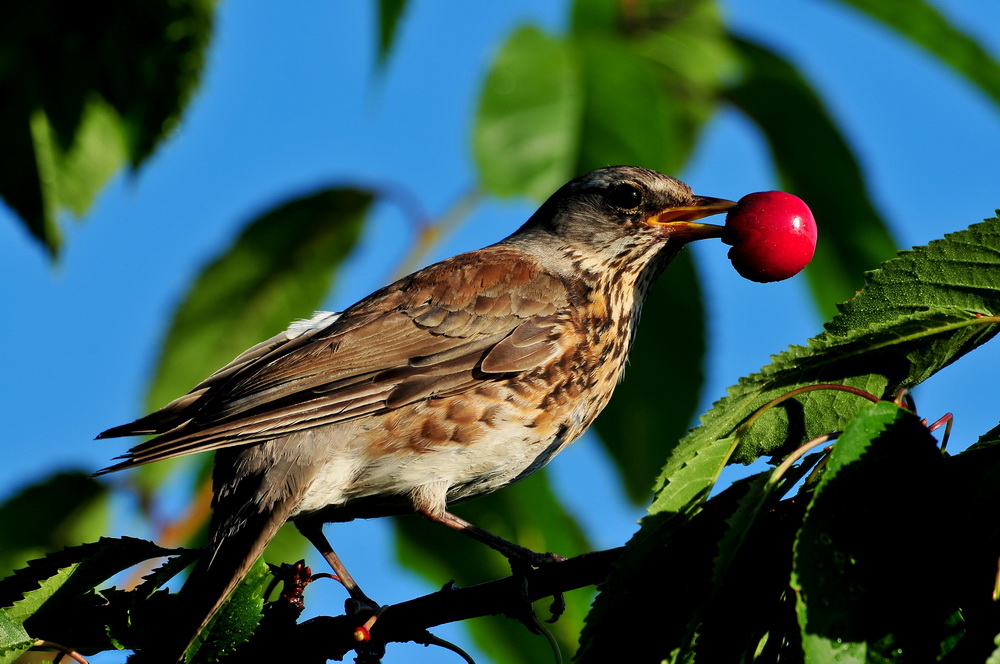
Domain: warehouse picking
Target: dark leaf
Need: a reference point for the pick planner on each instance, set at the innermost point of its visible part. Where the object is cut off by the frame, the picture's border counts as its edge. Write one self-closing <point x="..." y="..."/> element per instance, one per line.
<point x="681" y="574"/>
<point x="63" y="510"/>
<point x="866" y="569"/>
<point x="93" y="87"/>
<point x="76" y="569"/>
<point x="389" y="14"/>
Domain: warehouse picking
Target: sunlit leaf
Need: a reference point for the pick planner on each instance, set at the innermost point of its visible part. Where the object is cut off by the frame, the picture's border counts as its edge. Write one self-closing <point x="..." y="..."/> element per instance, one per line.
<point x="525" y="138"/>
<point x="236" y="620"/>
<point x="14" y="640"/>
<point x="917" y="314"/>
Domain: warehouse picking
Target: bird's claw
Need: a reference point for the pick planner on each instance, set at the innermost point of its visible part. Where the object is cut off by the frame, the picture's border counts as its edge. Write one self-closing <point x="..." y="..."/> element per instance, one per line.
<point x="520" y="569"/>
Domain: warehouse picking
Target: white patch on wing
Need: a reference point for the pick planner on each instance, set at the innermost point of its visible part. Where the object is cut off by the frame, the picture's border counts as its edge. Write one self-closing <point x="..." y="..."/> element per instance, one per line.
<point x="319" y="320"/>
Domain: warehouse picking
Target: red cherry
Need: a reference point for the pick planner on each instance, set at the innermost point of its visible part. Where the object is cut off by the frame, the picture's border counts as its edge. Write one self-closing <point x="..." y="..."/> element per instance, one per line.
<point x="361" y="634"/>
<point x="773" y="235"/>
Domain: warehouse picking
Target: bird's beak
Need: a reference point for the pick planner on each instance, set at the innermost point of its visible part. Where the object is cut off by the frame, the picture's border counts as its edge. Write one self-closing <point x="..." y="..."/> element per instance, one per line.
<point x="679" y="221"/>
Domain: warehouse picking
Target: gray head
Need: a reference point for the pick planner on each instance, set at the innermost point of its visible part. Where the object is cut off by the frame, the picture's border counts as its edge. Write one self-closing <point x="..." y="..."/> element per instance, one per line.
<point x="620" y="214"/>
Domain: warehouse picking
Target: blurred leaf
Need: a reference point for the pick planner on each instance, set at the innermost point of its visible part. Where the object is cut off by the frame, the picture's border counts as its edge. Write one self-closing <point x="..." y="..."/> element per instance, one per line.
<point x="525" y="139"/>
<point x="389" y="13"/>
<point x="62" y="510"/>
<point x="858" y="598"/>
<point x="72" y="178"/>
<point x="655" y="404"/>
<point x="279" y="269"/>
<point x="652" y="73"/>
<point x="527" y="513"/>
<point x="816" y="164"/>
<point x="84" y="89"/>
<point x="615" y="129"/>
<point x="647" y="79"/>
<point x="927" y="27"/>
<point x="629" y="88"/>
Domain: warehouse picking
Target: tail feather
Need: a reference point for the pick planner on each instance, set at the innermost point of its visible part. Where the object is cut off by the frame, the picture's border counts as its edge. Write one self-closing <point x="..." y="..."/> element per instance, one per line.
<point x="212" y="581"/>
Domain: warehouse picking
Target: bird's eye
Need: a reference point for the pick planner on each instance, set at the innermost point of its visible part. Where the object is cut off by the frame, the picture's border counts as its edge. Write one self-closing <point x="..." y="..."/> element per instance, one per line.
<point x="624" y="196"/>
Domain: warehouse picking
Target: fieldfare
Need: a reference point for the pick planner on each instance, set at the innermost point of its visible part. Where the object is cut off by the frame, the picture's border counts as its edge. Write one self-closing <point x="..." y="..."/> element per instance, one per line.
<point x="451" y="383"/>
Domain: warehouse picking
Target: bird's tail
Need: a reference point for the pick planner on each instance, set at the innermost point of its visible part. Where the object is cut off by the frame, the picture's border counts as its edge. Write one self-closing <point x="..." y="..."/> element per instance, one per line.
<point x="235" y="548"/>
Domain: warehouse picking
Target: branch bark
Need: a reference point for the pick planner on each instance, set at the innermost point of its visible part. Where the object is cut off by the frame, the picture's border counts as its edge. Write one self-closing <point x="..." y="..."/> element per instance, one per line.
<point x="327" y="637"/>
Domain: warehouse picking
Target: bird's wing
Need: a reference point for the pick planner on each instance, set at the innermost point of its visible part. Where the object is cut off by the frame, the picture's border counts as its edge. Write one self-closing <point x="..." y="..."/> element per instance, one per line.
<point x="439" y="332"/>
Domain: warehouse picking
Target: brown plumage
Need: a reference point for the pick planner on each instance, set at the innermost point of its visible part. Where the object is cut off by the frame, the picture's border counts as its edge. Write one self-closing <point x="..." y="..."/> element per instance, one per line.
<point x="451" y="383"/>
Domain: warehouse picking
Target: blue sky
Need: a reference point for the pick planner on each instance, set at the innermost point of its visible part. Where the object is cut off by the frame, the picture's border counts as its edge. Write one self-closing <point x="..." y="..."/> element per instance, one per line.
<point x="290" y="102"/>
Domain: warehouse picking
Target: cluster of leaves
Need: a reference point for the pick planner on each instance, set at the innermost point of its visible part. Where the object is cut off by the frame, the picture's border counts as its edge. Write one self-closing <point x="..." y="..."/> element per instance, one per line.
<point x="863" y="563"/>
<point x="626" y="83"/>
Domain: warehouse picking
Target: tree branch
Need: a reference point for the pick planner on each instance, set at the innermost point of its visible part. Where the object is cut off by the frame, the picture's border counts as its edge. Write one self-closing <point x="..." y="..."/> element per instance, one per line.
<point x="327" y="637"/>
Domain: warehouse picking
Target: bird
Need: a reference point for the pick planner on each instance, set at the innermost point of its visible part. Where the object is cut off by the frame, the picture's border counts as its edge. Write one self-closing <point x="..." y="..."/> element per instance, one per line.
<point x="453" y="382"/>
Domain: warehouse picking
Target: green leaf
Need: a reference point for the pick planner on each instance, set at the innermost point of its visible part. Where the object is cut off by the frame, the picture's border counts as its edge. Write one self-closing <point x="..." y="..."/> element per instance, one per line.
<point x="525" y="139"/>
<point x="651" y="76"/>
<point x="655" y="404"/>
<point x="617" y="130"/>
<point x="77" y="569"/>
<point x="62" y="510"/>
<point x="865" y="556"/>
<point x="815" y="163"/>
<point x="14" y="640"/>
<point x="633" y="88"/>
<point x="928" y="28"/>
<point x="389" y="13"/>
<point x="93" y="87"/>
<point x="918" y="313"/>
<point x="279" y="269"/>
<point x="527" y="513"/>
<point x="678" y="567"/>
<point x="235" y="622"/>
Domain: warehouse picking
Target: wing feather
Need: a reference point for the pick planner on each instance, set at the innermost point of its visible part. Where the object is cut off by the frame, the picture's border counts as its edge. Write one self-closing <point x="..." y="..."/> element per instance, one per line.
<point x="411" y="341"/>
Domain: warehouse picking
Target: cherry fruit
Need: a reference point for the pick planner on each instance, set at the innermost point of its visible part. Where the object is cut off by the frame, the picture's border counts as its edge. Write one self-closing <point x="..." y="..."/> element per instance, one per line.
<point x="773" y="235"/>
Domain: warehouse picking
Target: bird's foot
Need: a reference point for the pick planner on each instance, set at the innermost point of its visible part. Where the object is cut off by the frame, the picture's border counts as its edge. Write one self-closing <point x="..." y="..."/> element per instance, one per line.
<point x="520" y="571"/>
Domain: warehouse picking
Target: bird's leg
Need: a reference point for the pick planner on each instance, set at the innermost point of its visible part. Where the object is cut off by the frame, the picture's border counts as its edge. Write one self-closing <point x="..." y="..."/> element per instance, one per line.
<point x="521" y="560"/>
<point x="313" y="531"/>
<point x="512" y="552"/>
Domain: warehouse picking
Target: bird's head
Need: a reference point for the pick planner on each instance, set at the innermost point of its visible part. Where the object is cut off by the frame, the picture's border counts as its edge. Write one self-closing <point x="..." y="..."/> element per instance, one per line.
<point x="622" y="215"/>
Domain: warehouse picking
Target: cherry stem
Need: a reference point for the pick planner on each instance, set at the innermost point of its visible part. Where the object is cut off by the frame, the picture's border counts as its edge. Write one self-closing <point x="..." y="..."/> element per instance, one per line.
<point x="947" y="420"/>
<point x="802" y="390"/>
<point x="63" y="650"/>
<point x="790" y="460"/>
